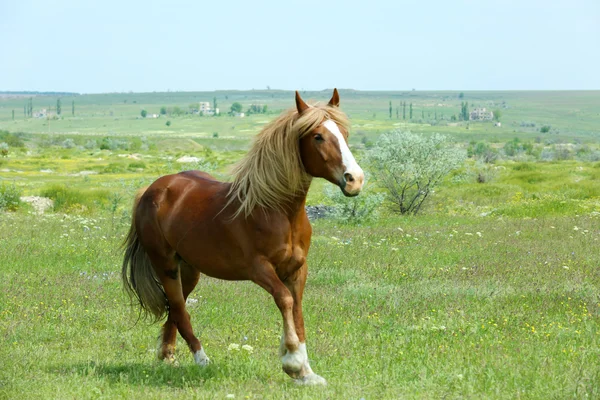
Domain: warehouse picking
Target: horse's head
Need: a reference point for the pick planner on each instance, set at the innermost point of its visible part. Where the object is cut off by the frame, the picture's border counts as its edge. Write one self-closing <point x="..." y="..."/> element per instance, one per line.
<point x="325" y="153"/>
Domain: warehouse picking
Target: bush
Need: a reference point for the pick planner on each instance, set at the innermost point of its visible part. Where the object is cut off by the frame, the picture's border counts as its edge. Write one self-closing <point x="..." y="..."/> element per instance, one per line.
<point x="545" y="129"/>
<point x="12" y="139"/>
<point x="354" y="210"/>
<point x="409" y="166"/>
<point x="67" y="199"/>
<point x="168" y="123"/>
<point x="4" y="149"/>
<point x="482" y="151"/>
<point x="143" y="113"/>
<point x="90" y="144"/>
<point x="10" y="197"/>
<point x="68" y="144"/>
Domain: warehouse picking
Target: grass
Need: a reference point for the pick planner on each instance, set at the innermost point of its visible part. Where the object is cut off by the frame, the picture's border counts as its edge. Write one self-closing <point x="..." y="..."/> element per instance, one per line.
<point x="493" y="292"/>
<point x="423" y="308"/>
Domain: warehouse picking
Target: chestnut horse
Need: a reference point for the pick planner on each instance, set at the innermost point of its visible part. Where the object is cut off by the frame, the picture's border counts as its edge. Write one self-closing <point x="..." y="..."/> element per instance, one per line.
<point x="253" y="228"/>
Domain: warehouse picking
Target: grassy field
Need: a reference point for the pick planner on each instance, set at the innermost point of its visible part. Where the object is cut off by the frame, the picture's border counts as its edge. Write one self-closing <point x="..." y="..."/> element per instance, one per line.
<point x="492" y="292"/>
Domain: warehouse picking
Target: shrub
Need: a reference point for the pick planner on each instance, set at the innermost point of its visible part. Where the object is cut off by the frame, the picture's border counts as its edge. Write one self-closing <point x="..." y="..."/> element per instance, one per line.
<point x="482" y="151"/>
<point x="354" y="210"/>
<point x="90" y="144"/>
<point x="409" y="166"/>
<point x="68" y="144"/>
<point x="67" y="199"/>
<point x="143" y="113"/>
<point x="12" y="139"/>
<point x="4" y="149"/>
<point x="545" y="129"/>
<point x="168" y="123"/>
<point x="10" y="197"/>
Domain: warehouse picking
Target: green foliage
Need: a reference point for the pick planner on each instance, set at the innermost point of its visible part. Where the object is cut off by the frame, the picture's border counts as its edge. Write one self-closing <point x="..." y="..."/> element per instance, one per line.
<point x="482" y="151"/>
<point x="464" y="111"/>
<point x="497" y="114"/>
<point x="136" y="165"/>
<point x="58" y="108"/>
<point x="545" y="129"/>
<point x="3" y="149"/>
<point x="354" y="210"/>
<point x="409" y="166"/>
<point x="236" y="108"/>
<point x="10" y="197"/>
<point x="516" y="147"/>
<point x="143" y="113"/>
<point x="163" y="110"/>
<point x="12" y="139"/>
<point x="168" y="123"/>
<point x="67" y="199"/>
<point x="114" y="144"/>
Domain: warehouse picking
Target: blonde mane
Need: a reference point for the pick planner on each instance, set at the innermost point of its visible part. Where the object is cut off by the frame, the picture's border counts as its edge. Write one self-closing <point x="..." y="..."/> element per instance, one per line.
<point x="271" y="173"/>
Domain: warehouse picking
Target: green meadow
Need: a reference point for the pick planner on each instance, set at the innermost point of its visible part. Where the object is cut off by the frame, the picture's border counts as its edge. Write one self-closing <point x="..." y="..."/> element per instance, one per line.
<point x="492" y="291"/>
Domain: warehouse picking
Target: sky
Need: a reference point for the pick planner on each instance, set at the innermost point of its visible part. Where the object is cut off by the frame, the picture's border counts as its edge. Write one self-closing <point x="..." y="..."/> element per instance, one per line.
<point x="144" y="46"/>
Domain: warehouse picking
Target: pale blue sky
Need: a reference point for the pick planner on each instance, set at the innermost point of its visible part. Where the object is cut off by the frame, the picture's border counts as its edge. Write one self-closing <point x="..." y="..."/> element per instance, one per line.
<point x="106" y="46"/>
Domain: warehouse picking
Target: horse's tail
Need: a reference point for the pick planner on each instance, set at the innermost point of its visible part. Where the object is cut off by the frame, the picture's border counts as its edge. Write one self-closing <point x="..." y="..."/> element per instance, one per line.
<point x="139" y="278"/>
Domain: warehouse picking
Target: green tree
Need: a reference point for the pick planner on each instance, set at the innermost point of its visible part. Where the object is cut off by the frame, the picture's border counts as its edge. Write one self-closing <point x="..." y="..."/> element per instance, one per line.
<point x="143" y="113"/>
<point x="497" y="114"/>
<point x="236" y="107"/>
<point x="58" y="110"/>
<point x="411" y="111"/>
<point x="168" y="123"/>
<point x="264" y="110"/>
<point x="215" y="104"/>
<point x="422" y="114"/>
<point x="390" y="109"/>
<point x="409" y="166"/>
<point x="73" y="108"/>
<point x="403" y="110"/>
<point x="397" y="113"/>
<point x="163" y="110"/>
<point x="461" y="95"/>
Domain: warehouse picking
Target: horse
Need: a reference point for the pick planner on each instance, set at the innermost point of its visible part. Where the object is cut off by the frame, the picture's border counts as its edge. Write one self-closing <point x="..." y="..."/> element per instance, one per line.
<point x="253" y="228"/>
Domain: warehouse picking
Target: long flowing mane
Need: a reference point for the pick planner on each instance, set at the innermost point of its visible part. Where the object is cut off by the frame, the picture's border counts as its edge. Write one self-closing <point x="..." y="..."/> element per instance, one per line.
<point x="271" y="173"/>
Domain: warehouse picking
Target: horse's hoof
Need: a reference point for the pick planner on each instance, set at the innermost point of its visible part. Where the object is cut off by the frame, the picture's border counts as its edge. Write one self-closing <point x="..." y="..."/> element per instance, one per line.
<point x="200" y="358"/>
<point x="311" y="380"/>
<point x="171" y="361"/>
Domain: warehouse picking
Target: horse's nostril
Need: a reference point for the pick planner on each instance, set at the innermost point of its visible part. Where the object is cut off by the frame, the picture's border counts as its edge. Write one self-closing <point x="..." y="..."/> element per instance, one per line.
<point x="349" y="177"/>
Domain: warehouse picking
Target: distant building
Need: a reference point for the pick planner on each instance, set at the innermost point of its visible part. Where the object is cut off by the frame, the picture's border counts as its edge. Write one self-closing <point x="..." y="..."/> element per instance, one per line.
<point x="43" y="113"/>
<point x="205" y="108"/>
<point x="152" y="115"/>
<point x="239" y="114"/>
<point x="481" y="114"/>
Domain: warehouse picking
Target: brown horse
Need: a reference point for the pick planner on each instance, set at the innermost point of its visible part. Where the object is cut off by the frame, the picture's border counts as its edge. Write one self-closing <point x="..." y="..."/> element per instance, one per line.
<point x="254" y="228"/>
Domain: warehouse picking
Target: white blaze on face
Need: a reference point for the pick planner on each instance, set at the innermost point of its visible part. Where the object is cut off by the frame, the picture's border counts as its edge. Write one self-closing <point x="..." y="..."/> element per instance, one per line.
<point x="350" y="164"/>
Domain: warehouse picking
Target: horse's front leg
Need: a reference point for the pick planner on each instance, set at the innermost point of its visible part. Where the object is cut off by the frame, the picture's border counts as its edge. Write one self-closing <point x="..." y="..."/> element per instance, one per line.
<point x="293" y="353"/>
<point x="295" y="284"/>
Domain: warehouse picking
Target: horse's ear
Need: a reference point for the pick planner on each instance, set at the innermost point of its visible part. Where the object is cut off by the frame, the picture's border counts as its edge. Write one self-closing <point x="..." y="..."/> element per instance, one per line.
<point x="301" y="106"/>
<point x="335" y="99"/>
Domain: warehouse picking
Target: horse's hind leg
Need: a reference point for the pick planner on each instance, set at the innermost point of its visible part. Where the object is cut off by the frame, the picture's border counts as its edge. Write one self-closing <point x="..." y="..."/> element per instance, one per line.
<point x="171" y="278"/>
<point x="168" y="336"/>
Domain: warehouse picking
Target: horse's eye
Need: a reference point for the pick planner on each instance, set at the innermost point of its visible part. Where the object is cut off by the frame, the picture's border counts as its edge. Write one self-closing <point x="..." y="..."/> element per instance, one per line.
<point x="319" y="138"/>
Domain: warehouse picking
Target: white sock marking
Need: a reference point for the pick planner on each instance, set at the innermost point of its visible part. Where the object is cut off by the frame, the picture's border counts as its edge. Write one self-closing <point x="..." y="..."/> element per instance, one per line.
<point x="200" y="357"/>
